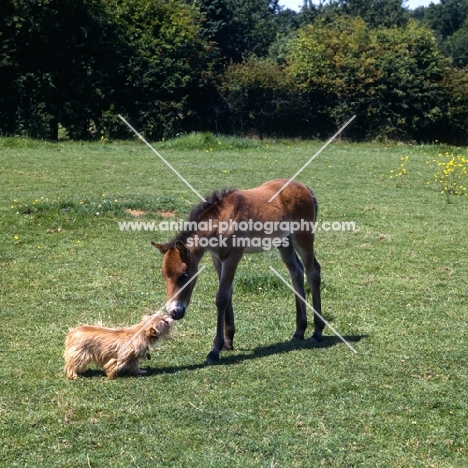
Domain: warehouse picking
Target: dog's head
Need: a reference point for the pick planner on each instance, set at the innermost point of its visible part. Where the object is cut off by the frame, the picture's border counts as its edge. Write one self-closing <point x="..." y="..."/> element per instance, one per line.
<point x="158" y="327"/>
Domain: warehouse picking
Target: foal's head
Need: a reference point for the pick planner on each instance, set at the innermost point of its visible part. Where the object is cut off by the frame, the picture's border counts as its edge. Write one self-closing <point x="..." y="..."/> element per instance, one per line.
<point x="179" y="265"/>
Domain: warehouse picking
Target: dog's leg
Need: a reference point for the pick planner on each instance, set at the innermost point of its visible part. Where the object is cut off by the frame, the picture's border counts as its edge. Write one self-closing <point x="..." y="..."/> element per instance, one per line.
<point x="134" y="368"/>
<point x="110" y="368"/>
<point x="71" y="373"/>
<point x="75" y="363"/>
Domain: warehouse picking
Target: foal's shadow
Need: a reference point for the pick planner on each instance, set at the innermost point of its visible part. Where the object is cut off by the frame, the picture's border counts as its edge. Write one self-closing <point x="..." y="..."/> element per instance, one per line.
<point x="261" y="352"/>
<point x="229" y="359"/>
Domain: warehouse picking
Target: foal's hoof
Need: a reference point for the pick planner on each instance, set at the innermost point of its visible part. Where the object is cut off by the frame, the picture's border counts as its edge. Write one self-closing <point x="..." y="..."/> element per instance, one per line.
<point x="212" y="358"/>
<point x="297" y="336"/>
<point x="228" y="346"/>
<point x="316" y="338"/>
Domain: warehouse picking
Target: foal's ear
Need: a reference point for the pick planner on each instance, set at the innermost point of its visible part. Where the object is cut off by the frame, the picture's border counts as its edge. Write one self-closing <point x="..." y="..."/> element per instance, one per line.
<point x="163" y="248"/>
<point x="183" y="250"/>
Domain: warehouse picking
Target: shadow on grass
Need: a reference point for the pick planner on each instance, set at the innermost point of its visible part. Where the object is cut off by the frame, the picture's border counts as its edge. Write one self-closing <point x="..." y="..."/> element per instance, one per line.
<point x="229" y="359"/>
<point x="263" y="351"/>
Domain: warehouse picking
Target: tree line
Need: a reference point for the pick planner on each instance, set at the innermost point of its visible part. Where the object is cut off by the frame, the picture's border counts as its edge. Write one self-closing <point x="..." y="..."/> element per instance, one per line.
<point x="243" y="67"/>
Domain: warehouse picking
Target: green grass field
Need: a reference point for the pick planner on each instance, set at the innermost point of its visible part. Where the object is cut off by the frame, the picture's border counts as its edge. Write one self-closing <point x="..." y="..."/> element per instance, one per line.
<point x="396" y="289"/>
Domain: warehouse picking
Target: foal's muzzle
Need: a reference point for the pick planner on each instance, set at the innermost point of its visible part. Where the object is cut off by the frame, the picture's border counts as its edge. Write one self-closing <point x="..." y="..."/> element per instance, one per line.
<point x="177" y="313"/>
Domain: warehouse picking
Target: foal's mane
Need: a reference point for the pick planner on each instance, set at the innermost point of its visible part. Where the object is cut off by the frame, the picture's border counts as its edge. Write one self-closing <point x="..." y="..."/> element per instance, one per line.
<point x="211" y="203"/>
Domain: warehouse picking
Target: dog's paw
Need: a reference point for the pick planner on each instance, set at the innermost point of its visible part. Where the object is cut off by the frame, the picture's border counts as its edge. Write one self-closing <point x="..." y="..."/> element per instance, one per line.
<point x="72" y="374"/>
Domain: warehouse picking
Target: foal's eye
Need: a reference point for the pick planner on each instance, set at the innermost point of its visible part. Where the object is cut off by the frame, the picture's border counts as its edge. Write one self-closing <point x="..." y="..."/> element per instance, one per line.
<point x="183" y="277"/>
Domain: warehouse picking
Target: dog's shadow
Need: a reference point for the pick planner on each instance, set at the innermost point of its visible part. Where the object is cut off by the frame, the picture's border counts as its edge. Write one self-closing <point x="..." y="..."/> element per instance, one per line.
<point x="260" y="352"/>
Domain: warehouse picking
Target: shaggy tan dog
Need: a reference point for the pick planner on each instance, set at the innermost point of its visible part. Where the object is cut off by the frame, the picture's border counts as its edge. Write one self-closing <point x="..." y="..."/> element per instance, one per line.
<point x="114" y="349"/>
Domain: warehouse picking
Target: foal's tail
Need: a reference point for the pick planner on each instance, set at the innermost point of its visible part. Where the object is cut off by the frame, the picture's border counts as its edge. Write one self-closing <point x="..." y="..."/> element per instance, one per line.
<point x="314" y="198"/>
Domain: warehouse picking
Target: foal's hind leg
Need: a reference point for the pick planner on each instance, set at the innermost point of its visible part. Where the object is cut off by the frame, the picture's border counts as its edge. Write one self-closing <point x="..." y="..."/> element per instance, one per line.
<point x="303" y="242"/>
<point x="313" y="276"/>
<point x="296" y="270"/>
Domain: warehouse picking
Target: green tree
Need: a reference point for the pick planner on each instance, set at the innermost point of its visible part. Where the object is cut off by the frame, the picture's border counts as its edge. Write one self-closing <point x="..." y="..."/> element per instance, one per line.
<point x="260" y="98"/>
<point x="170" y="84"/>
<point x="56" y="65"/>
<point x="240" y="27"/>
<point x="449" y="20"/>
<point x="376" y="13"/>
<point x="418" y="13"/>
<point x="76" y="63"/>
<point x="446" y="17"/>
<point x="392" y="78"/>
<point x="456" y="46"/>
<point x="456" y="123"/>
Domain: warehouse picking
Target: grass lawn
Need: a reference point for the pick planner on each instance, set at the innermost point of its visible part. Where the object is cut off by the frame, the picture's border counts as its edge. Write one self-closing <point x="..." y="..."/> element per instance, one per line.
<point x="396" y="289"/>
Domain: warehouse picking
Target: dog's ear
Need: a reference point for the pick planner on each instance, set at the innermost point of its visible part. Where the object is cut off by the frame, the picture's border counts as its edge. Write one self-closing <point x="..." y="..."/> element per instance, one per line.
<point x="163" y="248"/>
<point x="168" y="321"/>
<point x="153" y="333"/>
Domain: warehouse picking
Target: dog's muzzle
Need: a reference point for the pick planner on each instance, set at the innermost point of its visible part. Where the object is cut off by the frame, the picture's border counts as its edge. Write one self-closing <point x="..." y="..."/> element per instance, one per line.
<point x="177" y="312"/>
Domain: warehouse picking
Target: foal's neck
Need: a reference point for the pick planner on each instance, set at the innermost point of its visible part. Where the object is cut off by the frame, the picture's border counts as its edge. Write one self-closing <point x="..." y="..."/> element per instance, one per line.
<point x="196" y="250"/>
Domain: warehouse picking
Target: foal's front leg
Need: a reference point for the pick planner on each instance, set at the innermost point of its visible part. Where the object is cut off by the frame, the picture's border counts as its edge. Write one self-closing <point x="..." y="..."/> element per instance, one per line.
<point x="229" y="327"/>
<point x="224" y="304"/>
